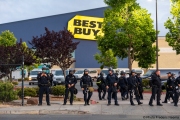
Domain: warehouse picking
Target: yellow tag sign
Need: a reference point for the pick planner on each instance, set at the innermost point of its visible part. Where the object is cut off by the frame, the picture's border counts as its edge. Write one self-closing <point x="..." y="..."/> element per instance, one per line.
<point x="85" y="27"/>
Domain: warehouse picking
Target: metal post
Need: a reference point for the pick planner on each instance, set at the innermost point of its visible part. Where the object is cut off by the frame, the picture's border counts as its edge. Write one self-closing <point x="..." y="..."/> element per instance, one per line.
<point x="23" y="80"/>
<point x="156" y="38"/>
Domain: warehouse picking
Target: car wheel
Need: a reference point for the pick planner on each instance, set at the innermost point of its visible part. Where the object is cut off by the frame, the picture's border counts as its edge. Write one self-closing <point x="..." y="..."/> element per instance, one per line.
<point x="29" y="83"/>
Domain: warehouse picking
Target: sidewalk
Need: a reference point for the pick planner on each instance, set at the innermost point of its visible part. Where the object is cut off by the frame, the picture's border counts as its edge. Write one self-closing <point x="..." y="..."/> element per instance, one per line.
<point x="100" y="108"/>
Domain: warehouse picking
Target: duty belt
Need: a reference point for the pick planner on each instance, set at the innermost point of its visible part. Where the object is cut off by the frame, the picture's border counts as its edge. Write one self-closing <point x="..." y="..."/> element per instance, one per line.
<point x="85" y="85"/>
<point x="44" y="84"/>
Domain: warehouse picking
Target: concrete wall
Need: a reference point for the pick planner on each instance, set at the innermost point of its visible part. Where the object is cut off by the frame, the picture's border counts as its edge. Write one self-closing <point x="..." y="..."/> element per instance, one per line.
<point x="167" y="57"/>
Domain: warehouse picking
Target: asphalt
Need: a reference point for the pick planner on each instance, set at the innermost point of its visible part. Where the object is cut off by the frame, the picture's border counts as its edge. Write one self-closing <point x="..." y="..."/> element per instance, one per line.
<point x="100" y="108"/>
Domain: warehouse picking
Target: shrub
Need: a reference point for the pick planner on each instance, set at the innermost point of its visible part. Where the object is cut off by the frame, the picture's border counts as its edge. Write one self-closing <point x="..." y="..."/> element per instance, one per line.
<point x="15" y="83"/>
<point x="27" y="92"/>
<point x="37" y="90"/>
<point x="7" y="92"/>
<point x="58" y="90"/>
<point x="26" y="79"/>
<point x="145" y="83"/>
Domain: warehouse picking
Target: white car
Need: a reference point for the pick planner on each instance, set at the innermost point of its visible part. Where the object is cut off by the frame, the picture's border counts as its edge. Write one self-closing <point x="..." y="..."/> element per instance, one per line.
<point x="58" y="77"/>
<point x="78" y="74"/>
<point x="33" y="76"/>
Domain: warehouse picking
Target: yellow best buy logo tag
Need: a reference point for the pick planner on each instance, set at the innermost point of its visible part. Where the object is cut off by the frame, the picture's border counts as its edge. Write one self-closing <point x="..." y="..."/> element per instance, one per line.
<point x="85" y="27"/>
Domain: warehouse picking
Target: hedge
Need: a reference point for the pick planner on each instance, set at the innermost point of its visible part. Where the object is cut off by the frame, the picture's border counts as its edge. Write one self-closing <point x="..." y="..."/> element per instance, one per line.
<point x="58" y="90"/>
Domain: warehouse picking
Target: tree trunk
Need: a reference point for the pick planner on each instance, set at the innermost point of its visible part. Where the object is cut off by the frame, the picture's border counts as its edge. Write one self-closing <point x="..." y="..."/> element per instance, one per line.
<point x="129" y="60"/>
<point x="64" y="73"/>
<point x="10" y="75"/>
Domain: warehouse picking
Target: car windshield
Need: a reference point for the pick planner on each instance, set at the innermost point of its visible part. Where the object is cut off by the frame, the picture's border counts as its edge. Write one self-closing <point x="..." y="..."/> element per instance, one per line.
<point x="60" y="72"/>
<point x="105" y="72"/>
<point x="148" y="73"/>
<point x="34" y="72"/>
<point x="79" y="72"/>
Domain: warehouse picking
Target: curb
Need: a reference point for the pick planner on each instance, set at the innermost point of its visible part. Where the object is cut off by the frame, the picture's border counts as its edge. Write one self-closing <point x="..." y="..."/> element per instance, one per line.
<point x="43" y="112"/>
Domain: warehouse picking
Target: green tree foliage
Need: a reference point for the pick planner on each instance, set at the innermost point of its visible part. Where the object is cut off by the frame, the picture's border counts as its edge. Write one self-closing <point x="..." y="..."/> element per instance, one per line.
<point x="173" y="25"/>
<point x="129" y="32"/>
<point x="7" y="38"/>
<point x="106" y="59"/>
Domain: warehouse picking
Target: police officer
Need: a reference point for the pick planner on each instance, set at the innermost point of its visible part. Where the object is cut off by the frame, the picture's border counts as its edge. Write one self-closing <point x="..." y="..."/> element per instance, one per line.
<point x="86" y="82"/>
<point x="177" y="90"/>
<point x="70" y="82"/>
<point x="112" y="86"/>
<point x="51" y="78"/>
<point x="140" y="86"/>
<point x="123" y="85"/>
<point x="133" y="84"/>
<point x="169" y="87"/>
<point x="101" y="82"/>
<point x="156" y="88"/>
<point x="44" y="84"/>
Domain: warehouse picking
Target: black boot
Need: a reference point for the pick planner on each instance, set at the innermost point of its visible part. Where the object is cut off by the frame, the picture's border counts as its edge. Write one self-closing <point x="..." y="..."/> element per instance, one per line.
<point x="88" y="102"/>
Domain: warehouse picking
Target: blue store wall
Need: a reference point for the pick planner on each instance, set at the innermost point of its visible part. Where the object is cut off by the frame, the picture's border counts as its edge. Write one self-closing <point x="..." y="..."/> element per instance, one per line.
<point x="85" y="51"/>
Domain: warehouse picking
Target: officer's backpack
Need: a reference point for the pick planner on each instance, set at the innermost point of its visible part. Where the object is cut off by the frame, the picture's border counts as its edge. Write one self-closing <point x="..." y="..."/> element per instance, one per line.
<point x="98" y="82"/>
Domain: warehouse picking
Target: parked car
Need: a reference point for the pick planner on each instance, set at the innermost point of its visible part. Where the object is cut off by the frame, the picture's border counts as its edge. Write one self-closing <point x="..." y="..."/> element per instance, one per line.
<point x="93" y="74"/>
<point x="58" y="77"/>
<point x="33" y="76"/>
<point x="78" y="74"/>
<point x="163" y="74"/>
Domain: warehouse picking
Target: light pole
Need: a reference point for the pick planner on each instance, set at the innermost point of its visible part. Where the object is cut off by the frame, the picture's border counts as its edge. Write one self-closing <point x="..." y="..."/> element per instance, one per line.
<point x="157" y="65"/>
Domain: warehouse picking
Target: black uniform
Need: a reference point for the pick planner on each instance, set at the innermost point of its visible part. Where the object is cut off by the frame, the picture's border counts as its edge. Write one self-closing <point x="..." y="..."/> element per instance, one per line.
<point x="140" y="87"/>
<point x="70" y="79"/>
<point x="133" y="84"/>
<point x="101" y="86"/>
<point x="86" y="82"/>
<point x="51" y="78"/>
<point x="176" y="91"/>
<point x="169" y="89"/>
<point x="123" y="87"/>
<point x="44" y="84"/>
<point x="111" y="80"/>
<point x="156" y="89"/>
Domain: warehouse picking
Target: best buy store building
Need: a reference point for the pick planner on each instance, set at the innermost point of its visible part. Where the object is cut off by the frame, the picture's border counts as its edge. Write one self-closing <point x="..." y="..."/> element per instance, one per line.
<point x="84" y="24"/>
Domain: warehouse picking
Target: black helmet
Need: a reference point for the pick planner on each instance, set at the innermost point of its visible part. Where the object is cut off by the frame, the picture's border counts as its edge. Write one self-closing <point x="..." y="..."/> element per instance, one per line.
<point x="101" y="74"/>
<point x="110" y="69"/>
<point x="44" y="68"/>
<point x="133" y="71"/>
<point x="173" y="74"/>
<point x="86" y="70"/>
<point x="70" y="71"/>
<point x="122" y="73"/>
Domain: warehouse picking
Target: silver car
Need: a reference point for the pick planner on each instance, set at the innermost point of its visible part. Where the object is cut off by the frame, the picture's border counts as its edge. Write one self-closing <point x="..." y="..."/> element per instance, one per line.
<point x="58" y="77"/>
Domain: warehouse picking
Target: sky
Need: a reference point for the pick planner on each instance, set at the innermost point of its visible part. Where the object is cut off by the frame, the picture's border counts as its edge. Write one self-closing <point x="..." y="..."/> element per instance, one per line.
<point x="17" y="10"/>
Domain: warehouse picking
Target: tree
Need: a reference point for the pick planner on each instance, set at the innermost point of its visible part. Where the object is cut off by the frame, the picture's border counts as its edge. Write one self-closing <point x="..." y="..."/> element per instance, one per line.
<point x="55" y="48"/>
<point x="107" y="59"/>
<point x="173" y="25"/>
<point x="12" y="57"/>
<point x="7" y="38"/>
<point x="128" y="32"/>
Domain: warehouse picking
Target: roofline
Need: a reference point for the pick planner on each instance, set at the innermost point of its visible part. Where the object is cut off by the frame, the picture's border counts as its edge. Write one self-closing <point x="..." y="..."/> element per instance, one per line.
<point x="53" y="15"/>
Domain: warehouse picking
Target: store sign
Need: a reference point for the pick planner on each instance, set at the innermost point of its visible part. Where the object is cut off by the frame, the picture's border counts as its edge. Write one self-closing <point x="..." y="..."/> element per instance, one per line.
<point x="85" y="27"/>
